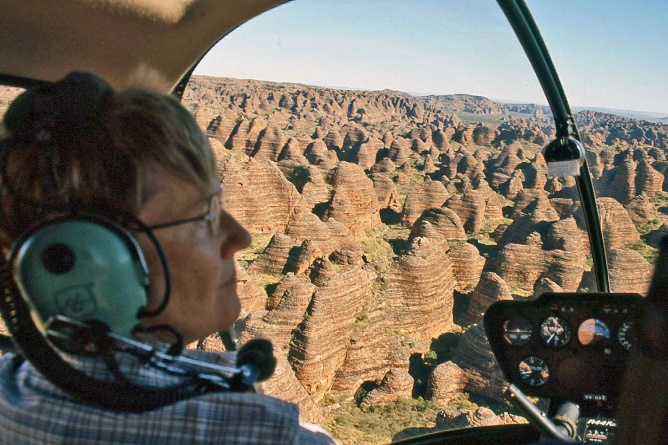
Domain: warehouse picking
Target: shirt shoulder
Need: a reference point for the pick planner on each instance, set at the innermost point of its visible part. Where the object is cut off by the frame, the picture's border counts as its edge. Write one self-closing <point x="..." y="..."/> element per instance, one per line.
<point x="32" y="413"/>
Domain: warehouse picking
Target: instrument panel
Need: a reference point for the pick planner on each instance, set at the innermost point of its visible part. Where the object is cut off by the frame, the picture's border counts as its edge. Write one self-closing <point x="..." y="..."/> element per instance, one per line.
<point x="569" y="346"/>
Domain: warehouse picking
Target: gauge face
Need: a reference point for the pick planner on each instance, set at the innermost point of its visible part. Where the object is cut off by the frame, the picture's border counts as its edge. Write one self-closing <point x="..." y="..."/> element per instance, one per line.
<point x="517" y="330"/>
<point x="626" y="335"/>
<point x="533" y="371"/>
<point x="592" y="331"/>
<point x="555" y="331"/>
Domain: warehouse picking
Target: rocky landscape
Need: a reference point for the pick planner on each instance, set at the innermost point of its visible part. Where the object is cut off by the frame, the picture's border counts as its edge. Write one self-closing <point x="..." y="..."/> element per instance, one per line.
<point x="385" y="224"/>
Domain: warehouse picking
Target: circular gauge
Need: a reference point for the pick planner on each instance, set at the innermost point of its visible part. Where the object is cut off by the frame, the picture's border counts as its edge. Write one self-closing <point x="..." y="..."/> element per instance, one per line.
<point x="592" y="331"/>
<point x="517" y="330"/>
<point x="533" y="371"/>
<point x="555" y="331"/>
<point x="626" y="335"/>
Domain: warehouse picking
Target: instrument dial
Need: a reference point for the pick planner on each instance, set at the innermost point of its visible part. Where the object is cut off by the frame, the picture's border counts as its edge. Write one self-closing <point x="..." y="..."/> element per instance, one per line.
<point x="555" y="331"/>
<point x="592" y="331"/>
<point x="533" y="371"/>
<point x="517" y="330"/>
<point x="626" y="335"/>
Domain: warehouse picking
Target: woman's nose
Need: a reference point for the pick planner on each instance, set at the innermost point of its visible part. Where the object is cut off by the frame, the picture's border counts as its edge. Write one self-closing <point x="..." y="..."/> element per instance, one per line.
<point x="235" y="236"/>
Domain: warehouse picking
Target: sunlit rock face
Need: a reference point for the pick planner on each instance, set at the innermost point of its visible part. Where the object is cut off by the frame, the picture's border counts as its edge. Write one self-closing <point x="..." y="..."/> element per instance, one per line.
<point x="272" y="261"/>
<point x="399" y="151"/>
<point x="293" y="152"/>
<point x="386" y="191"/>
<point x="532" y="212"/>
<point x="251" y="296"/>
<point x="445" y="221"/>
<point x="641" y="210"/>
<point x="371" y="333"/>
<point x="501" y="168"/>
<point x="258" y="195"/>
<point x="483" y="375"/>
<point x="245" y="134"/>
<point x="616" y="224"/>
<point x="423" y="281"/>
<point x="303" y="257"/>
<point x="629" y="271"/>
<point x="365" y="155"/>
<point x="521" y="265"/>
<point x="428" y="166"/>
<point x="470" y="207"/>
<point x="449" y="419"/>
<point x="467" y="265"/>
<point x="308" y="180"/>
<point x="421" y="197"/>
<point x="354" y="202"/>
<point x="446" y="383"/>
<point x="319" y="347"/>
<point x="270" y="143"/>
<point x="566" y="235"/>
<point x="649" y="181"/>
<point x="424" y="229"/>
<point x="284" y="381"/>
<point x="545" y="285"/>
<point x="385" y="165"/>
<point x="490" y="288"/>
<point x="304" y="224"/>
<point x="631" y="173"/>
<point x="320" y="156"/>
<point x="396" y="384"/>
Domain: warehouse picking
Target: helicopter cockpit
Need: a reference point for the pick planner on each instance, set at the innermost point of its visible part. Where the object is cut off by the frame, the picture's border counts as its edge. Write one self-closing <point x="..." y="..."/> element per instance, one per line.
<point x="432" y="266"/>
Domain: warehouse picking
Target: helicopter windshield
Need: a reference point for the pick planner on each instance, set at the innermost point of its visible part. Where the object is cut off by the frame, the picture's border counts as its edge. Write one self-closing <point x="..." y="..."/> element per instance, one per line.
<point x="387" y="158"/>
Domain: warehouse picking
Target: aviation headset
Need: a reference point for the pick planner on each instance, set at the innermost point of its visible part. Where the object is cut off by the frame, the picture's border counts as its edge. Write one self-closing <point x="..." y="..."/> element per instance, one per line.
<point x="80" y="265"/>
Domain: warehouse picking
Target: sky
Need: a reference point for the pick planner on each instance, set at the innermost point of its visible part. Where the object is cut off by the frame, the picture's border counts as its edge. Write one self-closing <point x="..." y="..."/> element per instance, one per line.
<point x="609" y="53"/>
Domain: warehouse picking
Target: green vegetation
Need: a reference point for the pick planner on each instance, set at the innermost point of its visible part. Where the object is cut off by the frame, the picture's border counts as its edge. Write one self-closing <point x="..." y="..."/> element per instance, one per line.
<point x="379" y="424"/>
<point x="376" y="248"/>
<point x="259" y="243"/>
<point x="660" y="201"/>
<point x="517" y="291"/>
<point x="394" y="420"/>
<point x="487" y="228"/>
<point x="408" y="176"/>
<point x="531" y="149"/>
<point x="440" y="351"/>
<point x="264" y="281"/>
<point x="489" y="151"/>
<point x="443" y="348"/>
<point x="488" y="120"/>
<point x="382" y="243"/>
<point x="648" y="252"/>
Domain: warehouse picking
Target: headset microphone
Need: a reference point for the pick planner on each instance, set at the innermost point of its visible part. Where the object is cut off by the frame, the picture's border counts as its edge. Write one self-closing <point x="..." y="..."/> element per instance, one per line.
<point x="256" y="361"/>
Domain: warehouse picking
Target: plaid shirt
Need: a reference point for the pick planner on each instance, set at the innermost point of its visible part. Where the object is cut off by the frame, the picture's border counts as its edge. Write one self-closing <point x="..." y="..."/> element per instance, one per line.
<point x="33" y="411"/>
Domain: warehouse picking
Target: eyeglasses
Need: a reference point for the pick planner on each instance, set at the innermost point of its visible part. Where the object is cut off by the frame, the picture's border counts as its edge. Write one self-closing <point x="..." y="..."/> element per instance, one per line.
<point x="211" y="216"/>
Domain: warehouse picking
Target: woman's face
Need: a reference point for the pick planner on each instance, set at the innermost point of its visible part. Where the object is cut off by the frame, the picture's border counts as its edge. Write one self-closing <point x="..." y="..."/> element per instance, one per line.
<point x="203" y="297"/>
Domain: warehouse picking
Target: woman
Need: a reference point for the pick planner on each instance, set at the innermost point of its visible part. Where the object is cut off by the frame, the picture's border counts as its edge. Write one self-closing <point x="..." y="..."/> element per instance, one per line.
<point x="135" y="164"/>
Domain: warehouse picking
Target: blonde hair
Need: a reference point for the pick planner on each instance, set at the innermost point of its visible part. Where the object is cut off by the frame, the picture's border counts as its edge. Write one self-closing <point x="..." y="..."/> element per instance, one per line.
<point x="79" y="143"/>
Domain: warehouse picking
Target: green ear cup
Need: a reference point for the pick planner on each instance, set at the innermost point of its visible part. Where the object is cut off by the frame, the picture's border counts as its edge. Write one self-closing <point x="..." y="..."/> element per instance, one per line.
<point x="85" y="271"/>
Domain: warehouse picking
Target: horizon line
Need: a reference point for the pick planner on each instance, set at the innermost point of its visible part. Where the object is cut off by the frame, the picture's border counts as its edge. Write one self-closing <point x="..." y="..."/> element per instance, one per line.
<point x="658" y="116"/>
